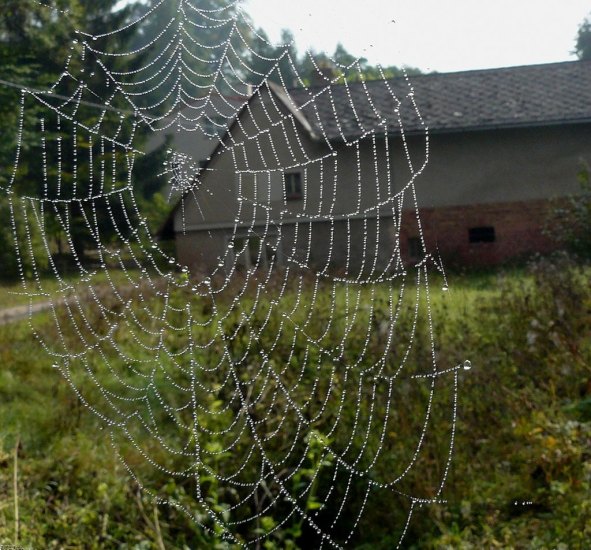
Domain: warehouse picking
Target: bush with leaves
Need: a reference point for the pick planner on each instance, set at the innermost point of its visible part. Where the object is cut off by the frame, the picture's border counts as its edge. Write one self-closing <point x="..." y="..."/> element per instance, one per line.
<point x="569" y="223"/>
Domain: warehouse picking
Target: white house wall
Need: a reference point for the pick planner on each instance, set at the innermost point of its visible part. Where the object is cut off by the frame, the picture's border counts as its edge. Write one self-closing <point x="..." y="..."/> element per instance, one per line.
<point x="265" y="143"/>
<point x="503" y="165"/>
<point x="243" y="187"/>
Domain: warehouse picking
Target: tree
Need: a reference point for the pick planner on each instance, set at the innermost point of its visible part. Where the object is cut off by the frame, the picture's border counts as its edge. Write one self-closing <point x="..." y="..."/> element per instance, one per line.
<point x="26" y="29"/>
<point x="569" y="223"/>
<point x="279" y="63"/>
<point x="293" y="68"/>
<point x="36" y="40"/>
<point x="583" y="42"/>
<point x="363" y="70"/>
<point x="210" y="48"/>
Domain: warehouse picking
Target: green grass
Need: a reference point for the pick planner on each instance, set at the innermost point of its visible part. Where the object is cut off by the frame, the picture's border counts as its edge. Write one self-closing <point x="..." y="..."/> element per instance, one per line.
<point x="15" y="293"/>
<point x="524" y="431"/>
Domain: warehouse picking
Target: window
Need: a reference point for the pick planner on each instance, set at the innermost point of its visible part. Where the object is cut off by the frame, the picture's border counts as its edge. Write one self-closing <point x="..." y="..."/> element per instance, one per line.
<point x="485" y="234"/>
<point x="293" y="185"/>
<point x="415" y="250"/>
<point x="247" y="252"/>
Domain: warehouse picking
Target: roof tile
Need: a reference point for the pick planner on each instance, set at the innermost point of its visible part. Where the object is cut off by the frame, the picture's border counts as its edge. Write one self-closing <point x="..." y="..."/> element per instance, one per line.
<point x="531" y="95"/>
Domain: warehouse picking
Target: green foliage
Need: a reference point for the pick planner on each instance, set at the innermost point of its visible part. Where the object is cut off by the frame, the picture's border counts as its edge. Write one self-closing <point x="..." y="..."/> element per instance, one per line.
<point x="569" y="223"/>
<point x="521" y="473"/>
<point x="296" y="69"/>
<point x="523" y="469"/>
<point x="583" y="41"/>
<point x="22" y="254"/>
<point x="367" y="71"/>
<point x="213" y="35"/>
<point x="35" y="45"/>
<point x="8" y="254"/>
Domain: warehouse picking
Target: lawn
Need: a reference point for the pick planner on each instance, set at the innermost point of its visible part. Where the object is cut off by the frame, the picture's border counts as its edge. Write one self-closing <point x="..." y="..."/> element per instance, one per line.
<point x="48" y="288"/>
<point x="521" y="474"/>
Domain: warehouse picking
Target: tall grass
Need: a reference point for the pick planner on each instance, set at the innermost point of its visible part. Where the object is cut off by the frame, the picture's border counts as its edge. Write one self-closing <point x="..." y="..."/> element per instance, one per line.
<point x="521" y="474"/>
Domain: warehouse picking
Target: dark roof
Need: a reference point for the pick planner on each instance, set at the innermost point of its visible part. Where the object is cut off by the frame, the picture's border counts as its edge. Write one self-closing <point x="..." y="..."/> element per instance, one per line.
<point x="534" y="95"/>
<point x="526" y="96"/>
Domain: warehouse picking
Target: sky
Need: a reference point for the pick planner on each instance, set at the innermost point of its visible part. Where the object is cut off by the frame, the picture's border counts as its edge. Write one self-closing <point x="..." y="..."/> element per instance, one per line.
<point x="433" y="35"/>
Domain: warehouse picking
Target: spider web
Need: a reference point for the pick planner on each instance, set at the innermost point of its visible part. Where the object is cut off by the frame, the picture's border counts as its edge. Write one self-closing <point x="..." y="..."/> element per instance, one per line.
<point x="268" y="384"/>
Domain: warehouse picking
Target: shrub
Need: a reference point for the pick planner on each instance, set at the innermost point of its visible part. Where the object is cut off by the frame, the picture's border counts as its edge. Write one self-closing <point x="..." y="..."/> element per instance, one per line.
<point x="570" y="220"/>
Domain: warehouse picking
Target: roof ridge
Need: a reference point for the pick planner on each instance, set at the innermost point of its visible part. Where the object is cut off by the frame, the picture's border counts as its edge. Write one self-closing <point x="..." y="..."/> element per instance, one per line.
<point x="414" y="77"/>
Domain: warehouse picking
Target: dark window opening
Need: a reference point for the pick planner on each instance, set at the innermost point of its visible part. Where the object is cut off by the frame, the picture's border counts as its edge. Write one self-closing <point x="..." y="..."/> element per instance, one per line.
<point x="415" y="250"/>
<point x="293" y="185"/>
<point x="482" y="234"/>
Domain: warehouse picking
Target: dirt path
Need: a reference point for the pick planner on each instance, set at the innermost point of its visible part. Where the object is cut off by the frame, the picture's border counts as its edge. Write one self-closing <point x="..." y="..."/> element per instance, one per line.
<point x="17" y="313"/>
<point x="11" y="314"/>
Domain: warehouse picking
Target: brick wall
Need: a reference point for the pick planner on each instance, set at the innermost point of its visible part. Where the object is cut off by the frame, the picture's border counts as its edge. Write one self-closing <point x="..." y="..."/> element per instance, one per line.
<point x="518" y="231"/>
